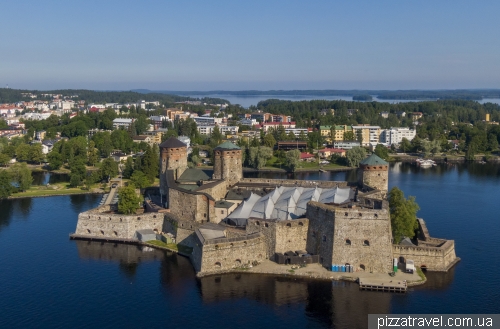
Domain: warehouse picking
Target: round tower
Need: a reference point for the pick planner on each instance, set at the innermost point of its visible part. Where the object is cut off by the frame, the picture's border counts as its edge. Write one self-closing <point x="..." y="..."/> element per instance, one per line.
<point x="227" y="163"/>
<point x="173" y="156"/>
<point x="374" y="172"/>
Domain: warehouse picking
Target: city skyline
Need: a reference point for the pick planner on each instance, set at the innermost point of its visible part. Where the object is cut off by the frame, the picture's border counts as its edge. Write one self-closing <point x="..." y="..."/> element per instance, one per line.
<point x="281" y="45"/>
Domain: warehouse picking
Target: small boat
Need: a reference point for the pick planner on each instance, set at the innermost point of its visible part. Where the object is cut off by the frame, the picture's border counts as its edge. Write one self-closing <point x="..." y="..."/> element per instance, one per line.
<point x="425" y="163"/>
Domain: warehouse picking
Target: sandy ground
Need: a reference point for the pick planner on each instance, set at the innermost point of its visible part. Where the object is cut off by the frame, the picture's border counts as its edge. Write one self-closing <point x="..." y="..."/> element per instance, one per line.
<point x="316" y="271"/>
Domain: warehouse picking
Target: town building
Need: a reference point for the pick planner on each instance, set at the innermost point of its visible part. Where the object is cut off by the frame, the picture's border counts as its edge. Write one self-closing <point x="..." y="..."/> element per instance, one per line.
<point x="395" y="135"/>
<point x="369" y="134"/>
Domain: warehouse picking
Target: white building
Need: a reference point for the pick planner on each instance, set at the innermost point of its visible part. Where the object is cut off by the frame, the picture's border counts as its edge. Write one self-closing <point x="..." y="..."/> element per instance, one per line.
<point x="207" y="130"/>
<point x="396" y="134"/>
<point x="346" y="145"/>
<point x="297" y="131"/>
<point x="186" y="140"/>
<point x="203" y="120"/>
<point x="119" y="122"/>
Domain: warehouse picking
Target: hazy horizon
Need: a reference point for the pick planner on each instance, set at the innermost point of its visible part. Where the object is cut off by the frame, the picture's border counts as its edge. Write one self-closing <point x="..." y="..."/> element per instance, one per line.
<point x="262" y="45"/>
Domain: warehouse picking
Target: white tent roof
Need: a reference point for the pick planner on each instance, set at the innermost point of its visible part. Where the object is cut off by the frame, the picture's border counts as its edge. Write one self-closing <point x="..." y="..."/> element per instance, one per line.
<point x="288" y="202"/>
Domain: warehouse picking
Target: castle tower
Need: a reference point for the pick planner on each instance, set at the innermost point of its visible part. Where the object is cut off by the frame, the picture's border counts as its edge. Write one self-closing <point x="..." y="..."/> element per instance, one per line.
<point x="173" y="156"/>
<point x="374" y="172"/>
<point x="227" y="163"/>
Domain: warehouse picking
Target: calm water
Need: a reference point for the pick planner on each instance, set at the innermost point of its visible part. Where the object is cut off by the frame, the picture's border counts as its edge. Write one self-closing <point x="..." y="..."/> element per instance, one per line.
<point x="247" y="101"/>
<point x="49" y="281"/>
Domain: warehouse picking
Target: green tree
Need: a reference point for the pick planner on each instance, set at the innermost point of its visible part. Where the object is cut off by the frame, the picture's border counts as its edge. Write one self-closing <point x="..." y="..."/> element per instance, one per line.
<point x="403" y="214"/>
<point x="129" y="168"/>
<point x="109" y="168"/>
<point x="139" y="179"/>
<point x="382" y="151"/>
<point x="5" y="185"/>
<point x="36" y="154"/>
<point x="92" y="154"/>
<point x="216" y="136"/>
<point x="21" y="175"/>
<point x="258" y="156"/>
<point x="269" y="140"/>
<point x="355" y="155"/>
<point x="405" y="145"/>
<point x="292" y="159"/>
<point x="23" y="152"/>
<point x="128" y="201"/>
<point x="4" y="159"/>
<point x="78" y="172"/>
<point x="349" y="136"/>
<point x="55" y="159"/>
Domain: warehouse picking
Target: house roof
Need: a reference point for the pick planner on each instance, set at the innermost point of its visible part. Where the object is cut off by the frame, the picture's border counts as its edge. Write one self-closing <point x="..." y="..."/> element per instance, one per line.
<point x="227" y="146"/>
<point x="304" y="155"/>
<point x="193" y="175"/>
<point x="373" y="160"/>
<point x="172" y="142"/>
<point x="223" y="204"/>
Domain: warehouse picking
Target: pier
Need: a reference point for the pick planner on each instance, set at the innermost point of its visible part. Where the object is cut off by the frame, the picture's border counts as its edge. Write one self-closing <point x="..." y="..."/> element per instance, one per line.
<point x="383" y="285"/>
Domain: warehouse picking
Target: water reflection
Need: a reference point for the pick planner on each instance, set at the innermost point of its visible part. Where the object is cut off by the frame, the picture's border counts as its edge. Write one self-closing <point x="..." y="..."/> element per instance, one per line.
<point x="45" y="177"/>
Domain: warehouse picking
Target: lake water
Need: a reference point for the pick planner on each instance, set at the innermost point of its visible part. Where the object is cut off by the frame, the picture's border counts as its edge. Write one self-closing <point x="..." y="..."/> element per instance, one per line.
<point x="247" y="101"/>
<point x="49" y="281"/>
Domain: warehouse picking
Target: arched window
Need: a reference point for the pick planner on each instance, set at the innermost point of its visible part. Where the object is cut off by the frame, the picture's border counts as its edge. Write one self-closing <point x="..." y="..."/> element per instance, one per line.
<point x="347" y="242"/>
<point x="257" y="223"/>
<point x="301" y="224"/>
<point x="366" y="243"/>
<point x="324" y="238"/>
<point x="362" y="267"/>
<point x="289" y="225"/>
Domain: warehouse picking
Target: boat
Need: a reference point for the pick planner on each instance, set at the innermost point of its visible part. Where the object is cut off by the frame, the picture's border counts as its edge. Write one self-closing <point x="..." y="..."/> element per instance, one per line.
<point x="425" y="163"/>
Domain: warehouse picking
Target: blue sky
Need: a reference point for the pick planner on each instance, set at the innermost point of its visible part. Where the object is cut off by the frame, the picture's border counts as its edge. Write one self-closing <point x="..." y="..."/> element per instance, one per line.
<point x="235" y="45"/>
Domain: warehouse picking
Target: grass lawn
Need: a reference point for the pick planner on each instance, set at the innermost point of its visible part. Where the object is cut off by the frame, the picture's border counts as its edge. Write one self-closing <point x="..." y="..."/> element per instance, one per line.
<point x="55" y="189"/>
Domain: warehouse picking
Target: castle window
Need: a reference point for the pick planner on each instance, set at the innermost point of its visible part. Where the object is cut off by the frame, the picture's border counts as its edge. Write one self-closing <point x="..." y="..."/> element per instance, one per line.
<point x="205" y="215"/>
<point x="360" y="214"/>
<point x="238" y="262"/>
<point x="99" y="218"/>
<point x="314" y="234"/>
<point x="347" y="242"/>
<point x="301" y="224"/>
<point x="379" y="167"/>
<point x="102" y="232"/>
<point x="257" y="223"/>
<point x="366" y="243"/>
<point x="154" y="216"/>
<point x="138" y="218"/>
<point x="266" y="225"/>
<point x="222" y="211"/>
<point x="116" y="233"/>
<point x="376" y="215"/>
<point x="347" y="214"/>
<point x="289" y="225"/>
<point x="231" y="245"/>
<point x="88" y="231"/>
<point x="245" y="243"/>
<point x="121" y="220"/>
<point x="362" y="267"/>
<point x="216" y="246"/>
<point x="218" y="264"/>
<point x="324" y="238"/>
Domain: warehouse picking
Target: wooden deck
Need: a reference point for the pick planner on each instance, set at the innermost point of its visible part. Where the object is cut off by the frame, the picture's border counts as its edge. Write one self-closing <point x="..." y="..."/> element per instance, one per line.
<point x="383" y="285"/>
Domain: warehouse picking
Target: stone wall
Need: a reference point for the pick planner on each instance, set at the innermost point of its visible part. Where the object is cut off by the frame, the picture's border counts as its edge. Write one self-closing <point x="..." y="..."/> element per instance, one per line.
<point x="432" y="253"/>
<point x="228" y="165"/>
<point x="217" y="189"/>
<point x="225" y="254"/>
<point x="432" y="258"/>
<point x="191" y="206"/>
<point x="99" y="222"/>
<point x="174" y="159"/>
<point x="374" y="176"/>
<point x="280" y="236"/>
<point x="357" y="236"/>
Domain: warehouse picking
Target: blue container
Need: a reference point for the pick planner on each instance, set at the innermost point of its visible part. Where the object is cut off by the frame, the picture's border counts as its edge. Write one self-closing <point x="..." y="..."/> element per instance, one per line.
<point x="342" y="267"/>
<point x="335" y="269"/>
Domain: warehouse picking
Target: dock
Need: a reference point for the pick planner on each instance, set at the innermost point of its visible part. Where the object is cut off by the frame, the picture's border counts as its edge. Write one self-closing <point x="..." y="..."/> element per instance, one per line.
<point x="373" y="284"/>
<point x="103" y="239"/>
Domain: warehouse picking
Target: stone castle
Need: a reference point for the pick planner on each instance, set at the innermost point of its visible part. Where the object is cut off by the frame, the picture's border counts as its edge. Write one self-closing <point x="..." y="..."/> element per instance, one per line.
<point x="230" y="221"/>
